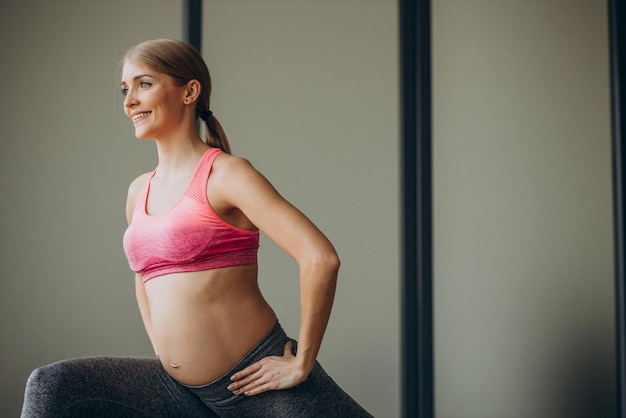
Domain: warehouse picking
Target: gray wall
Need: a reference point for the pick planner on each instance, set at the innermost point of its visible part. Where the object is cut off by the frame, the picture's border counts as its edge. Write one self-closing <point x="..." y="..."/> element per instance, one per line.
<point x="306" y="90"/>
<point x="522" y="209"/>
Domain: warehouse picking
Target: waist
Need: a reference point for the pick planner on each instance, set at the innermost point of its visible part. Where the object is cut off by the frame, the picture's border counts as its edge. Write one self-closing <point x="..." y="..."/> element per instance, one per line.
<point x="203" y="287"/>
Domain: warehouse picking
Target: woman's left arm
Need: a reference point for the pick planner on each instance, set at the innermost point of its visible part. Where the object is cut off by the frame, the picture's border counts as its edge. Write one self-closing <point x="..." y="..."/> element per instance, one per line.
<point x="252" y="194"/>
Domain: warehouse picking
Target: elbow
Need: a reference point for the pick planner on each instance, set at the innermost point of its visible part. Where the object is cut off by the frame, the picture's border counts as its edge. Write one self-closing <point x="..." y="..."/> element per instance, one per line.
<point x="334" y="263"/>
<point x="323" y="264"/>
<point x="327" y="263"/>
<point x="320" y="261"/>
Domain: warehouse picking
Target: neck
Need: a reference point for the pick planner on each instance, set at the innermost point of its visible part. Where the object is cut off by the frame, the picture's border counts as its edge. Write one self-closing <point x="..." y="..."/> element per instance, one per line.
<point x="179" y="154"/>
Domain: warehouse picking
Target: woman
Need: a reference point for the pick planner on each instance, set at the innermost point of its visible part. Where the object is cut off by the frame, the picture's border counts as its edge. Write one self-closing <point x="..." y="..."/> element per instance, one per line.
<point x="192" y="240"/>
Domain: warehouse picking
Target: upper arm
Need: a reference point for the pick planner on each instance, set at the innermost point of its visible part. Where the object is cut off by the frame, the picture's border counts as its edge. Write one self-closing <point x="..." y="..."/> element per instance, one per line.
<point x="134" y="192"/>
<point x="244" y="188"/>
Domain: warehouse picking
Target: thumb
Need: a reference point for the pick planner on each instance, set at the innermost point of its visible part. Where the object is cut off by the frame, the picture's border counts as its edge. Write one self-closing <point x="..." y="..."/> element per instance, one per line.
<point x="288" y="349"/>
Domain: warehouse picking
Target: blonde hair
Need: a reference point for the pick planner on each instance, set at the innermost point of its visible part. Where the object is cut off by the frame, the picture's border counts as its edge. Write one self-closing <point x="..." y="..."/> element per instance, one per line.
<point x="183" y="63"/>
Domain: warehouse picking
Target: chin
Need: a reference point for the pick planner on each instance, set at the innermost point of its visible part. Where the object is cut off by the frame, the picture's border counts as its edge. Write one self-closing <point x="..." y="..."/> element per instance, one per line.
<point x="143" y="135"/>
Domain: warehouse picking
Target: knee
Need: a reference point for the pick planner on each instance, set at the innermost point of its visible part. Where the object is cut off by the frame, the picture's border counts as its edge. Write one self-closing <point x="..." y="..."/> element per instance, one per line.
<point x="42" y="388"/>
<point x="47" y="380"/>
<point x="41" y="381"/>
<point x="44" y="374"/>
<point x="39" y="376"/>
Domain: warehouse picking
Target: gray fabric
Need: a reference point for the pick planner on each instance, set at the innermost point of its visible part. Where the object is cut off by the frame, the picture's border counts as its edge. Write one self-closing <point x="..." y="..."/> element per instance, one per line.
<point x="140" y="387"/>
<point x="108" y="387"/>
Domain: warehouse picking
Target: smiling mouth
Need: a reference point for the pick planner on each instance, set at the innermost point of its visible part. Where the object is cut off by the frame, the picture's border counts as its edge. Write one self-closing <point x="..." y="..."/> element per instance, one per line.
<point x="140" y="116"/>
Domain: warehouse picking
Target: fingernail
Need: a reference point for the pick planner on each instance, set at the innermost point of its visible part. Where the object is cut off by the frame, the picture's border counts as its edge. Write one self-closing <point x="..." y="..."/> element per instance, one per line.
<point x="230" y="387"/>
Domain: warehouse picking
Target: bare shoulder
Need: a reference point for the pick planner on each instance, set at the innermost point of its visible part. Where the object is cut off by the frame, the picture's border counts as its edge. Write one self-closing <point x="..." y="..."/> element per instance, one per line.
<point x="137" y="185"/>
<point x="232" y="171"/>
<point x="134" y="192"/>
<point x="226" y="164"/>
<point x="235" y="181"/>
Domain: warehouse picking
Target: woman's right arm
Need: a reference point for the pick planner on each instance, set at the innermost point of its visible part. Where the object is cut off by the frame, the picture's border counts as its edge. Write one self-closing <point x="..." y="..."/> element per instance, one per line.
<point x="140" y="291"/>
<point x="144" y="309"/>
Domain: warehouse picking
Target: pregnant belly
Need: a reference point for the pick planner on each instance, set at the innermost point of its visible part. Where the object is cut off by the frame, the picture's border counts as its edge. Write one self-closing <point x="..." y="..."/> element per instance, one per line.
<point x="201" y="332"/>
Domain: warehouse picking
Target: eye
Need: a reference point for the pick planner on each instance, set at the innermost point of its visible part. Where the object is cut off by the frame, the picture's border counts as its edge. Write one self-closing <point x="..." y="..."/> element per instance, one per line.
<point x="124" y="91"/>
<point x="144" y="84"/>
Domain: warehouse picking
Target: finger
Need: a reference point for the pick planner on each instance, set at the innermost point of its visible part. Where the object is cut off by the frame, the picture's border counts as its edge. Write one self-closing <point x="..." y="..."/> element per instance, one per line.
<point x="270" y="380"/>
<point x="243" y="384"/>
<point x="259" y="389"/>
<point x="249" y="384"/>
<point x="254" y="385"/>
<point x="246" y="372"/>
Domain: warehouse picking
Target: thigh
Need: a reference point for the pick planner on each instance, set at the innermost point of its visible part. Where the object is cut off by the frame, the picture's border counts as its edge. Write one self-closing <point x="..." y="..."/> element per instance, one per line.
<point x="319" y="396"/>
<point x="108" y="387"/>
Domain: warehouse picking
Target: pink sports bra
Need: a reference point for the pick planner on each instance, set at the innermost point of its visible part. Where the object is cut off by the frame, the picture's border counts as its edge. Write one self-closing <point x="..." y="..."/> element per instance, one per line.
<point x="188" y="237"/>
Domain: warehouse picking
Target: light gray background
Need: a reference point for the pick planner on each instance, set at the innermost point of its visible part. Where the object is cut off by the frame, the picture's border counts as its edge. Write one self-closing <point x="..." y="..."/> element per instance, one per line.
<point x="308" y="91"/>
<point x="523" y="242"/>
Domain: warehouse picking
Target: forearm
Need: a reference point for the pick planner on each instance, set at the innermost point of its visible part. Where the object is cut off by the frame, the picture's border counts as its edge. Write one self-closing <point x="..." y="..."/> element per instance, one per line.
<point x="144" y="309"/>
<point x="317" y="292"/>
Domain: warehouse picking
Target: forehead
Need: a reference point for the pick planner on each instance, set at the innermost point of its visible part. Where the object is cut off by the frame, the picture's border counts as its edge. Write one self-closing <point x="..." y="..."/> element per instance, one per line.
<point x="132" y="70"/>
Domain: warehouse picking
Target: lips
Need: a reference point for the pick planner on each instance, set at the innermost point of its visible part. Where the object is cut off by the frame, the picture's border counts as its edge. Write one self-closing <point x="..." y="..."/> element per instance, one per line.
<point x="139" y="116"/>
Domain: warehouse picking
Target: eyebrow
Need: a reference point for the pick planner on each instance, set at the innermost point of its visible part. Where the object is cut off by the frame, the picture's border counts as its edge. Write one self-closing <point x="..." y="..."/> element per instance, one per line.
<point x="137" y="77"/>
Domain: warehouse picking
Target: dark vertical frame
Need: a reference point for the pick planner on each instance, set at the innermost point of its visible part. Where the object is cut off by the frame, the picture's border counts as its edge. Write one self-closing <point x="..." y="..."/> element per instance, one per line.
<point x="617" y="43"/>
<point x="416" y="217"/>
<point x="192" y="23"/>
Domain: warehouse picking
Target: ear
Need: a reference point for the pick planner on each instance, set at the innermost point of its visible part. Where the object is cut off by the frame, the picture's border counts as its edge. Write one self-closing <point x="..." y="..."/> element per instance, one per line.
<point x="192" y="91"/>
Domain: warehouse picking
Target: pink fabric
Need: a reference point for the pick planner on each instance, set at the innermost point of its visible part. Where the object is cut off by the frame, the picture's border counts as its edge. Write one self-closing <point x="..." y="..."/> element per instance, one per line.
<point x="188" y="237"/>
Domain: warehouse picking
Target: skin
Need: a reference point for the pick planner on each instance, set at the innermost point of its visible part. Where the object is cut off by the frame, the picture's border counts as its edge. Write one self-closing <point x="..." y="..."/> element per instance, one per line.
<point x="201" y="323"/>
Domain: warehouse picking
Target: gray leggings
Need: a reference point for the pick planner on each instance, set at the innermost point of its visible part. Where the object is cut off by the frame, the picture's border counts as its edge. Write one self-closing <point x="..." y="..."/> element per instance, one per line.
<point x="140" y="387"/>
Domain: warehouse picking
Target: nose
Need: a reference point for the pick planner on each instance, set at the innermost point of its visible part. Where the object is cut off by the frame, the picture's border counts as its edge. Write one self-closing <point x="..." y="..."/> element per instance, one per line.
<point x="130" y="99"/>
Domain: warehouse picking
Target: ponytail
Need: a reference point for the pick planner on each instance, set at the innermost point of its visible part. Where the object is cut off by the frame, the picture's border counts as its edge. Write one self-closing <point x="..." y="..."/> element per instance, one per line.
<point x="215" y="135"/>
